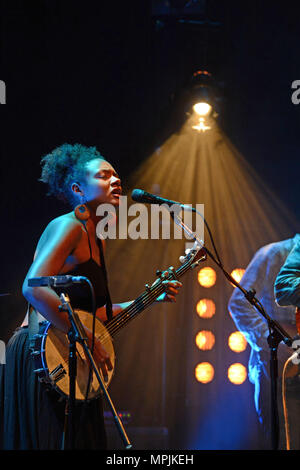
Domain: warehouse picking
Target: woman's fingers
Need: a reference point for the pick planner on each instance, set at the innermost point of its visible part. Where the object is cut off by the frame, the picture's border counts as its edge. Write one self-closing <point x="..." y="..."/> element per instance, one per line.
<point x="171" y="290"/>
<point x="172" y="286"/>
<point x="102" y="359"/>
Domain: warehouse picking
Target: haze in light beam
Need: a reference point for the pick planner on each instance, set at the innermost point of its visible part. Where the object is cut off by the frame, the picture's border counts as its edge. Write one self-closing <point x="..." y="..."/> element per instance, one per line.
<point x="156" y="351"/>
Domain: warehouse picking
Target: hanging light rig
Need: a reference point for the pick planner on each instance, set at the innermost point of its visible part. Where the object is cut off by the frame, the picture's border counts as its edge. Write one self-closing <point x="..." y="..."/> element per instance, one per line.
<point x="202" y="100"/>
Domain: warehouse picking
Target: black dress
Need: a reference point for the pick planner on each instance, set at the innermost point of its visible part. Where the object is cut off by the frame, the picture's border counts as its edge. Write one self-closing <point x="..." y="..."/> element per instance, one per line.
<point x="32" y="417"/>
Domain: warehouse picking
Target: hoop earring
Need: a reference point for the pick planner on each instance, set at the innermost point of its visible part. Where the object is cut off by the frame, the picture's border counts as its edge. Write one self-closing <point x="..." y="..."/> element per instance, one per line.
<point x="82" y="212"/>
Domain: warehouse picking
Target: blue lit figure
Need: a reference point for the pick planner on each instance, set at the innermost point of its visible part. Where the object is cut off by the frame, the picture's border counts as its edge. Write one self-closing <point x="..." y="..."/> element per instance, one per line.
<point x="260" y="275"/>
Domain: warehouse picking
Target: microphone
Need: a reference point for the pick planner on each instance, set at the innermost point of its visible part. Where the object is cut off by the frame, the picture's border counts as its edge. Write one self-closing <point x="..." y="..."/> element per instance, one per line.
<point x="49" y="281"/>
<point x="139" y="195"/>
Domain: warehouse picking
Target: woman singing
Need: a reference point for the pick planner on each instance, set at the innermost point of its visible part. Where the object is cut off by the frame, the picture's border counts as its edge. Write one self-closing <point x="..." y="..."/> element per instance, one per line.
<point x="33" y="416"/>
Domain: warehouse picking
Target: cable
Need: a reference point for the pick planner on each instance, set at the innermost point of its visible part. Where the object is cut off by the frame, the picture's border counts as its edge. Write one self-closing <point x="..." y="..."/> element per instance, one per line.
<point x="211" y="238"/>
<point x="93" y="334"/>
<point x="285" y="411"/>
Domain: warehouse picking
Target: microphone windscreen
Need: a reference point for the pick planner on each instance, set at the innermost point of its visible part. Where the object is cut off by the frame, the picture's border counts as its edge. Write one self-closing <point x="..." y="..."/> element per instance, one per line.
<point x="137" y="195"/>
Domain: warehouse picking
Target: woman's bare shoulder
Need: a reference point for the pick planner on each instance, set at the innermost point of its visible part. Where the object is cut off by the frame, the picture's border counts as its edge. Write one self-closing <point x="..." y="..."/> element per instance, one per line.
<point x="65" y="221"/>
<point x="65" y="226"/>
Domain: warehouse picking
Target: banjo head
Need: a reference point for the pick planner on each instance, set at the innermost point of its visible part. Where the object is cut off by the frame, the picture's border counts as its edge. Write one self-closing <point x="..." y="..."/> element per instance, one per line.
<point x="55" y="357"/>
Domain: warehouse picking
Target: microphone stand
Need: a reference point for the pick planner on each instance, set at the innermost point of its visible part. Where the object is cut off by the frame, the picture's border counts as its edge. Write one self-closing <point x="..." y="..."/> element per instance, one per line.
<point x="276" y="332"/>
<point x="77" y="334"/>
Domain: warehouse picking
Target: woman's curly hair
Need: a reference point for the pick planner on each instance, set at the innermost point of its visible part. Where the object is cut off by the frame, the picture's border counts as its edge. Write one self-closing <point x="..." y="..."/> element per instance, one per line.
<point x="65" y="165"/>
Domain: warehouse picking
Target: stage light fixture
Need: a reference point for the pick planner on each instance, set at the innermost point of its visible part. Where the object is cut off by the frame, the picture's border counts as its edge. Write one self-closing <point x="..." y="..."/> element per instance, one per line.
<point x="204" y="372"/>
<point x="206" y="308"/>
<point x="237" y="341"/>
<point x="237" y="373"/>
<point x="205" y="340"/>
<point x="202" y="91"/>
<point x="237" y="274"/>
<point x="202" y="108"/>
<point x="207" y="277"/>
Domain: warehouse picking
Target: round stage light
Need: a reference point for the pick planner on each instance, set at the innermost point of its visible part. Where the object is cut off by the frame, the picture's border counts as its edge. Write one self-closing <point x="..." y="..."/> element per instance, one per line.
<point x="237" y="342"/>
<point x="237" y="373"/>
<point x="207" y="277"/>
<point x="237" y="274"/>
<point x="204" y="372"/>
<point x="202" y="108"/>
<point x="205" y="340"/>
<point x="206" y="308"/>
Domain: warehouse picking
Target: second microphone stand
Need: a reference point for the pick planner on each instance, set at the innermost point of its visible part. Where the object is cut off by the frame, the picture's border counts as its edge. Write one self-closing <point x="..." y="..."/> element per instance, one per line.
<point x="276" y="332"/>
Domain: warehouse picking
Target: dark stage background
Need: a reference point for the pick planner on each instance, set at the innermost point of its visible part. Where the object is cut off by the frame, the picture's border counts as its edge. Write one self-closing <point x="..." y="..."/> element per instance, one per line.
<point x="106" y="74"/>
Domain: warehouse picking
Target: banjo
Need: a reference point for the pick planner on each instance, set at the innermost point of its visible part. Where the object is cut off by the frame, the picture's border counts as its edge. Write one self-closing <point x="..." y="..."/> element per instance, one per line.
<point x="50" y="350"/>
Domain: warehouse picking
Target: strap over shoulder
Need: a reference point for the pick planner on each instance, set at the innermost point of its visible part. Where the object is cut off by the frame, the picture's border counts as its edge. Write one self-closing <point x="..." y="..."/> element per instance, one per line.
<point x="109" y="312"/>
